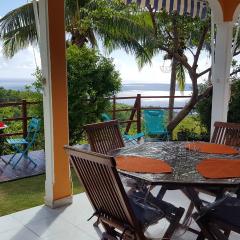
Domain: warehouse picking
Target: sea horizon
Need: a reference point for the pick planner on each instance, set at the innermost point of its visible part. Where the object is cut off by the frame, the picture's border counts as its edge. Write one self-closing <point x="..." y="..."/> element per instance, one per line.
<point x="127" y="90"/>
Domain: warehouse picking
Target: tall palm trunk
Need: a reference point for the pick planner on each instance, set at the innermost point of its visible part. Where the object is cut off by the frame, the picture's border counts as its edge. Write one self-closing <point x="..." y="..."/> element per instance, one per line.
<point x="172" y="89"/>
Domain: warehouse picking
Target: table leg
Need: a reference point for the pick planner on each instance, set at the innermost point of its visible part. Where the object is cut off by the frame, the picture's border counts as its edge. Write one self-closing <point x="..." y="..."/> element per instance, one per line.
<point x="193" y="197"/>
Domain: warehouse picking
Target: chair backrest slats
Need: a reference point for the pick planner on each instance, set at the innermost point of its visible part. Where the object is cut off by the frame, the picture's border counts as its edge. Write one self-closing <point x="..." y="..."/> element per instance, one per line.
<point x="226" y="133"/>
<point x="154" y="121"/>
<point x="104" y="137"/>
<point x="103" y="186"/>
<point x="33" y="129"/>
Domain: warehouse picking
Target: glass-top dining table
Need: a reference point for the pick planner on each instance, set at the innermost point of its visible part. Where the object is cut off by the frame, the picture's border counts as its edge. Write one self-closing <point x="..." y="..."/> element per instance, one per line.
<point x="182" y="161"/>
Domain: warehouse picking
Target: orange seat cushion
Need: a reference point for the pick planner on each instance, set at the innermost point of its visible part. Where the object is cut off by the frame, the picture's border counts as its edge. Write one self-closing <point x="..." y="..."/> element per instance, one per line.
<point x="142" y="164"/>
<point x="211" y="148"/>
<point x="219" y="168"/>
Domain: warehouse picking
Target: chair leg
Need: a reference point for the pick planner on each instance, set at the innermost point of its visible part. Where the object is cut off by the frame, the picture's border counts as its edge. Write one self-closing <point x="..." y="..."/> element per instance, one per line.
<point x="106" y="236"/>
<point x="31" y="161"/>
<point x="19" y="159"/>
<point x="174" y="223"/>
<point x="204" y="229"/>
<point x="17" y="150"/>
<point x="10" y="160"/>
<point x="24" y="153"/>
<point x="162" y="192"/>
<point x="227" y="233"/>
<point x="188" y="213"/>
<point x="200" y="236"/>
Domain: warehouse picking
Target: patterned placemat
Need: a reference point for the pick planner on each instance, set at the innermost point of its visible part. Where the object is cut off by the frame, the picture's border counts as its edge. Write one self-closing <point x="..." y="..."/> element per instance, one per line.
<point x="218" y="168"/>
<point x="142" y="164"/>
<point x="211" y="148"/>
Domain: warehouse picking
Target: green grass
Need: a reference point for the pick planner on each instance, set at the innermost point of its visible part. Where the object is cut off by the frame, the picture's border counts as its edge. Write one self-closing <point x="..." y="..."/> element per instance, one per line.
<point x="26" y="193"/>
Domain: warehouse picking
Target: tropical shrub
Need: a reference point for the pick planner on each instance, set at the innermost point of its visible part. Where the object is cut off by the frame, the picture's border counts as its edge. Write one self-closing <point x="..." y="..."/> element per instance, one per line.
<point x="204" y="107"/>
<point x="91" y="79"/>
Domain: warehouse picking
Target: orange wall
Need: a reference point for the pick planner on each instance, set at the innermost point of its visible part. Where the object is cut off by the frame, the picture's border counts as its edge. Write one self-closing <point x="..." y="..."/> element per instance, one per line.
<point x="229" y="7"/>
<point x="62" y="183"/>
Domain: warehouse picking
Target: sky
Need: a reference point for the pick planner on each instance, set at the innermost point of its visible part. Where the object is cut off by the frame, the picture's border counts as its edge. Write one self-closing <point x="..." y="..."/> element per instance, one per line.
<point x="23" y="65"/>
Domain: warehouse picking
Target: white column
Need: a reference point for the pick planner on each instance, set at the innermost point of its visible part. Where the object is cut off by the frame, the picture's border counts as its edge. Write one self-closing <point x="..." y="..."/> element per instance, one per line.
<point x="221" y="72"/>
<point x="47" y="106"/>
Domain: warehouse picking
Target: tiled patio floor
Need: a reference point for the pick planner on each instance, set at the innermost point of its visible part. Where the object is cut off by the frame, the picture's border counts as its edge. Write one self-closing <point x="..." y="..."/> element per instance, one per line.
<point x="67" y="223"/>
<point x="23" y="169"/>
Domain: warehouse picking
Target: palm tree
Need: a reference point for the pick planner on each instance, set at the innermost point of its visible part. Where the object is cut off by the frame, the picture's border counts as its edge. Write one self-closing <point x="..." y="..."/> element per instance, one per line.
<point x="84" y="20"/>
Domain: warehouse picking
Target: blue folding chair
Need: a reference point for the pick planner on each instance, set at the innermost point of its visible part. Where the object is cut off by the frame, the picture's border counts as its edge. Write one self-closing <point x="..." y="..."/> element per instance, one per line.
<point x="22" y="145"/>
<point x="154" y="122"/>
<point x="126" y="137"/>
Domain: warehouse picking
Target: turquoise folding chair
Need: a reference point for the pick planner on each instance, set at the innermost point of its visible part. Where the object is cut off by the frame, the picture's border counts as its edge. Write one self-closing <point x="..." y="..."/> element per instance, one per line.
<point x="154" y="122"/>
<point x="22" y="145"/>
<point x="126" y="137"/>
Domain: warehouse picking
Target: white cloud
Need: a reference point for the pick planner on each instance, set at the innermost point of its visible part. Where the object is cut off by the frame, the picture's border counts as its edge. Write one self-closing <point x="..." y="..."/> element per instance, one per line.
<point x="158" y="72"/>
<point x="22" y="65"/>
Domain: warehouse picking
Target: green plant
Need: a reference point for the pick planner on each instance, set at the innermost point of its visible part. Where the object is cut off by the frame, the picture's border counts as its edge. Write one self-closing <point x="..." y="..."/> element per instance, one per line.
<point x="91" y="79"/>
<point x="204" y="107"/>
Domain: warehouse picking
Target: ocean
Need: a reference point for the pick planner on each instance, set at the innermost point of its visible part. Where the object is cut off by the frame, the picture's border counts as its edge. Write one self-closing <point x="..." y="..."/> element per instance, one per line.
<point x="152" y="89"/>
<point x="15" y="84"/>
<point x="128" y="90"/>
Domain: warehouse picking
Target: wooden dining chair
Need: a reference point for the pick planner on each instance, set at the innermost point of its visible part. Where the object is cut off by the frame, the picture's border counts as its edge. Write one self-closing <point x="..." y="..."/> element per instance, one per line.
<point x="122" y="216"/>
<point x="226" y="133"/>
<point x="217" y="220"/>
<point x="104" y="137"/>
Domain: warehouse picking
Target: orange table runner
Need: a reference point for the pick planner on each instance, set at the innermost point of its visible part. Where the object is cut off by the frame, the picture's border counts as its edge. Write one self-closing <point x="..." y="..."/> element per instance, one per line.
<point x="219" y="168"/>
<point x="211" y="148"/>
<point x="142" y="164"/>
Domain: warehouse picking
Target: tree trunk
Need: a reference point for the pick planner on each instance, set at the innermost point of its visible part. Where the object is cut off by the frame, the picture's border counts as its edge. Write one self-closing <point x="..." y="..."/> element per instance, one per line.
<point x="172" y="89"/>
<point x="188" y="107"/>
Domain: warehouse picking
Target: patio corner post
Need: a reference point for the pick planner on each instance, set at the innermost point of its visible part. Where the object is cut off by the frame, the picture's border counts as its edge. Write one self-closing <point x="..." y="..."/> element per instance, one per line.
<point x="53" y="57"/>
<point x="225" y="15"/>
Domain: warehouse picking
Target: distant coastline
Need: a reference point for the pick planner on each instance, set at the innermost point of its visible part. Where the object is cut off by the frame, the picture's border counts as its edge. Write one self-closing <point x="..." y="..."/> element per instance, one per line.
<point x="15" y="84"/>
<point x="130" y="89"/>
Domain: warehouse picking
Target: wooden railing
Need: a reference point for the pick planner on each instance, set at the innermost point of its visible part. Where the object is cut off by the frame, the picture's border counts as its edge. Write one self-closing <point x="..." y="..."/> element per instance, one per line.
<point x="23" y="118"/>
<point x="135" y="116"/>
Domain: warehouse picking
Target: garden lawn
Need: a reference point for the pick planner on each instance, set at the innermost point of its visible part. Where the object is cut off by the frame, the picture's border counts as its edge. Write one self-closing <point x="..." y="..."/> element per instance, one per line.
<point x="26" y="193"/>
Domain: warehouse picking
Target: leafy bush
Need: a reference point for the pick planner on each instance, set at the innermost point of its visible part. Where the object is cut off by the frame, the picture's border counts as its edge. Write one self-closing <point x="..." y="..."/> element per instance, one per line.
<point x="91" y="78"/>
<point x="234" y="109"/>
<point x="204" y="107"/>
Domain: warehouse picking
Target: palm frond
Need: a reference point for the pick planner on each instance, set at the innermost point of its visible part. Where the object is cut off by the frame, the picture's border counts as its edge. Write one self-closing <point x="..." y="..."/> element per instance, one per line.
<point x="18" y="29"/>
<point x="180" y="77"/>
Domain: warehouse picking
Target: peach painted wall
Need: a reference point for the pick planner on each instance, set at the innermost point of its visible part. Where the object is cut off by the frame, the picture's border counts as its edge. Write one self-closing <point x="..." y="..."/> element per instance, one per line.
<point x="229" y="7"/>
<point x="62" y="183"/>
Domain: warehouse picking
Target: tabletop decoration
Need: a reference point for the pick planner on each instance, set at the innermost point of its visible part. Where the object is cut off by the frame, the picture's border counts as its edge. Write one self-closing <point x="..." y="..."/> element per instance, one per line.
<point x="210" y="148"/>
<point x="218" y="168"/>
<point x="142" y="164"/>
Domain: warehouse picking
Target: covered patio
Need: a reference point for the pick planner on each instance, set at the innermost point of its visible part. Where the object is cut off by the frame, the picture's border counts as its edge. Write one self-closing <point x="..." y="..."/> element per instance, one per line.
<point x="52" y="44"/>
<point x="64" y="216"/>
